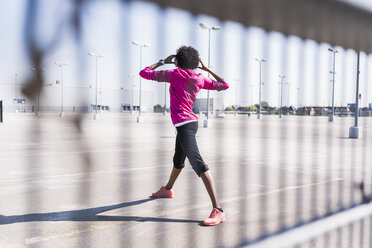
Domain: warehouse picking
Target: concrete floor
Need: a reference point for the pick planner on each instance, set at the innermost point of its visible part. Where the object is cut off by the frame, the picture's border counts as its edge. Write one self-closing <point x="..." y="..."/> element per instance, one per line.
<point x="70" y="182"/>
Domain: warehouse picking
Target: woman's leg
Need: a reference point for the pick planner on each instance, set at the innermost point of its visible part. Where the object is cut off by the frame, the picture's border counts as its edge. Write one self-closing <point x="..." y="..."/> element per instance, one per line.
<point x="178" y="164"/>
<point x="173" y="177"/>
<point x="208" y="182"/>
<point x="187" y="141"/>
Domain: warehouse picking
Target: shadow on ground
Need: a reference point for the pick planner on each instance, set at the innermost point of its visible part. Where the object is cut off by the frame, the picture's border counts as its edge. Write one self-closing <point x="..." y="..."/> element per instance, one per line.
<point x="90" y="214"/>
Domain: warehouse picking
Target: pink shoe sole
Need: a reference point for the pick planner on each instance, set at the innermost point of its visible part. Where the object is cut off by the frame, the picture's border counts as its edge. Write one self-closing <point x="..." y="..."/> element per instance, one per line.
<point x="215" y="218"/>
<point x="163" y="193"/>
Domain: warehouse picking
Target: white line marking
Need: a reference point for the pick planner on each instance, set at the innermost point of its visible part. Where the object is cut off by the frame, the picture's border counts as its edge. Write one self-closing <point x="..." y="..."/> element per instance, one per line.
<point x="39" y="239"/>
<point x="283" y="189"/>
<point x="81" y="174"/>
<point x="28" y="154"/>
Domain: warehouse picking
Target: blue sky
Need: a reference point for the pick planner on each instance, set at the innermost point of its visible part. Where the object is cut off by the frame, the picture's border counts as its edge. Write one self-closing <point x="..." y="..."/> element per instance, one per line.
<point x="110" y="26"/>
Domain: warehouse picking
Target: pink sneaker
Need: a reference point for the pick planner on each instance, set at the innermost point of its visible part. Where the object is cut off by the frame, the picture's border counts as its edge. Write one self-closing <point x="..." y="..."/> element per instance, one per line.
<point x="215" y="218"/>
<point x="163" y="193"/>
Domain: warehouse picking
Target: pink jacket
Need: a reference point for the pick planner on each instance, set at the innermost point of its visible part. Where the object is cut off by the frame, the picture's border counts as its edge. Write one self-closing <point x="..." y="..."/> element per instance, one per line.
<point x="184" y="86"/>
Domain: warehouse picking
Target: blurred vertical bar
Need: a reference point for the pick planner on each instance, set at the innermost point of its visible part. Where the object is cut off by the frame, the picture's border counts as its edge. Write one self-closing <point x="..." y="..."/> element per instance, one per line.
<point x="1" y="111"/>
<point x="161" y="43"/>
<point x="342" y="166"/>
<point x="263" y="128"/>
<point x="339" y="237"/>
<point x="330" y="160"/>
<point x="300" y="143"/>
<point x="354" y="151"/>
<point x="364" y="132"/>
<point x="370" y="232"/>
<point x="191" y="178"/>
<point x="85" y="190"/>
<point x="244" y="129"/>
<point x="219" y="133"/>
<point x="362" y="232"/>
<point x="126" y="133"/>
<point x="283" y="163"/>
<point x="315" y="131"/>
<point x="351" y="234"/>
<point x="30" y="89"/>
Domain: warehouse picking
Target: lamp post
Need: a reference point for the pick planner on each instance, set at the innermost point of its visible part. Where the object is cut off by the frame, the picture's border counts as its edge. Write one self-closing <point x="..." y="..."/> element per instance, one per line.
<point x="131" y="76"/>
<point x="354" y="130"/>
<point x="15" y="92"/>
<point x="101" y="95"/>
<point x="236" y="90"/>
<point x="209" y="28"/>
<point x="38" y="88"/>
<point x="61" y="65"/>
<point x="331" y="116"/>
<point x="139" y="118"/>
<point x="96" y="56"/>
<point x="281" y="95"/>
<point x="260" y="85"/>
<point x="251" y="86"/>
<point x="287" y="97"/>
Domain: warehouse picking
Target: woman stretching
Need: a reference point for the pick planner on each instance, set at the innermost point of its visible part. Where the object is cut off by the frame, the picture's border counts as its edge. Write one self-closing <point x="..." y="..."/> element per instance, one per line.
<point x="185" y="84"/>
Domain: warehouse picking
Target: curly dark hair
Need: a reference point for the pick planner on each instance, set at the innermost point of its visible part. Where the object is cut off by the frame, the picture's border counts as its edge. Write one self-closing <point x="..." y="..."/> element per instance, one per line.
<point x="187" y="57"/>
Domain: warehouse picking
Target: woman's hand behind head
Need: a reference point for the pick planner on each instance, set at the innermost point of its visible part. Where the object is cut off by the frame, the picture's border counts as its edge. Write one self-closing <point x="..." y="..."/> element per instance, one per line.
<point x="202" y="67"/>
<point x="168" y="59"/>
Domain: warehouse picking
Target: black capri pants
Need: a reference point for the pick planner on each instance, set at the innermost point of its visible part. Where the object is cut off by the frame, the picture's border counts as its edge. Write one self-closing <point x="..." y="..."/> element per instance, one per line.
<point x="186" y="146"/>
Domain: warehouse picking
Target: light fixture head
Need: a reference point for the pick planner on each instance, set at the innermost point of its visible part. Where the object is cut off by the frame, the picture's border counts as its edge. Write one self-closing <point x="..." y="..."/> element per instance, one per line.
<point x="135" y="43"/>
<point x="203" y="25"/>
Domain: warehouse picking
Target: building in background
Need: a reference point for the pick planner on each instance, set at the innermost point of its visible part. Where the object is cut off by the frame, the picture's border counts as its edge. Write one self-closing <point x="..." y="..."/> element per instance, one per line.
<point x="215" y="104"/>
<point x="76" y="99"/>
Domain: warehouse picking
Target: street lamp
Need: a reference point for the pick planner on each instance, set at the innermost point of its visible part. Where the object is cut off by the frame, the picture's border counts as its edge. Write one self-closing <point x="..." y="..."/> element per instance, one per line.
<point x="101" y="96"/>
<point x="61" y="65"/>
<point x="236" y="89"/>
<point x="15" y="92"/>
<point x="96" y="56"/>
<point x="287" y="97"/>
<point x="331" y="116"/>
<point x="281" y="95"/>
<point x="131" y="76"/>
<point x="204" y="26"/>
<point x="354" y="130"/>
<point x="260" y="83"/>
<point x="251" y="86"/>
<point x="38" y="88"/>
<point x="139" y="118"/>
